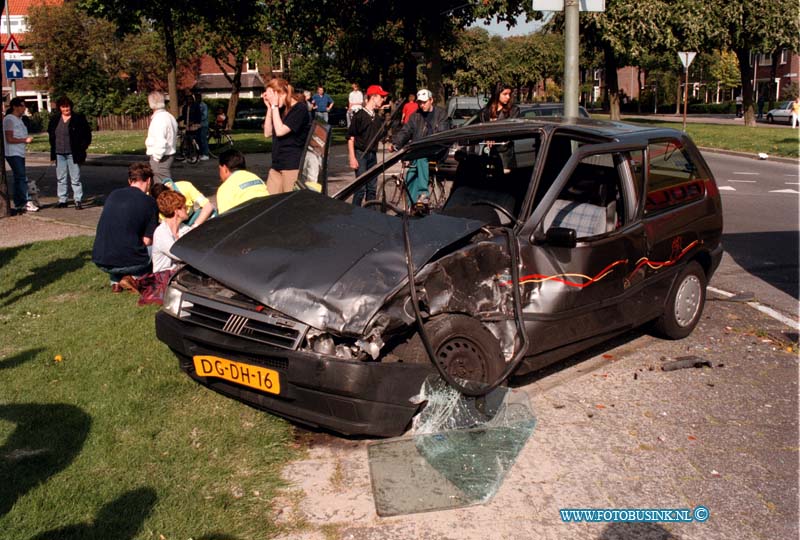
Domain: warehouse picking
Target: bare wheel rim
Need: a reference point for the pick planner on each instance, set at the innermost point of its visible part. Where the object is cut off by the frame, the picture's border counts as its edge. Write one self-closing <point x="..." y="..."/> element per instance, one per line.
<point x="687" y="300"/>
<point x="463" y="358"/>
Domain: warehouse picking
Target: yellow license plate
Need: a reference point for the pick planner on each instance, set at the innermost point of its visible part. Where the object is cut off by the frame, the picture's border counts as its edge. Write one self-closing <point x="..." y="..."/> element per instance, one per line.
<point x="256" y="377"/>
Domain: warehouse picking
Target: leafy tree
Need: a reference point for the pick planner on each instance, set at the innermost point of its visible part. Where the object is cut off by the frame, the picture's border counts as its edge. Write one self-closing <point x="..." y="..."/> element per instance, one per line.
<point x="221" y="35"/>
<point x="170" y="19"/>
<point x="625" y="32"/>
<point x="724" y="69"/>
<point x="108" y="67"/>
<point x="761" y="26"/>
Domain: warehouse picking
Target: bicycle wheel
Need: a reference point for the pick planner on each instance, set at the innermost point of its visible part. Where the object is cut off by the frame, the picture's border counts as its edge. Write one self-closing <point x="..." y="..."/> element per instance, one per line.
<point x="394" y="191"/>
<point x="437" y="192"/>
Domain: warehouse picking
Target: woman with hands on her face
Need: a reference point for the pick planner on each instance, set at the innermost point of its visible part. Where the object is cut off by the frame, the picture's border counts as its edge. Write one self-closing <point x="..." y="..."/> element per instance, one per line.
<point x="287" y="122"/>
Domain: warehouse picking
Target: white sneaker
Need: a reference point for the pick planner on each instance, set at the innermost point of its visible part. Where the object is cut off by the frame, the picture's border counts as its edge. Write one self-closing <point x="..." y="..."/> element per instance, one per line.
<point x="31" y="207"/>
<point x="203" y="158"/>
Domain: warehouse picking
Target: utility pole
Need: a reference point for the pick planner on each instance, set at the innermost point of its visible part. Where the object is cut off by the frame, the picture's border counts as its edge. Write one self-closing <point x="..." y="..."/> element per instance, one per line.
<point x="571" y="9"/>
<point x="571" y="55"/>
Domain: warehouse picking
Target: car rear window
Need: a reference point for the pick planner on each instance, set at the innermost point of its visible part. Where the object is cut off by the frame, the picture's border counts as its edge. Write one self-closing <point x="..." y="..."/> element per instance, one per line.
<point x="673" y="177"/>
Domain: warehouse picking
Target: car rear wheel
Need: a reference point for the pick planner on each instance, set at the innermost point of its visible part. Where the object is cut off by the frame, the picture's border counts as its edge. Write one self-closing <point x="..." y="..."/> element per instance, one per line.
<point x="462" y="346"/>
<point x="685" y="303"/>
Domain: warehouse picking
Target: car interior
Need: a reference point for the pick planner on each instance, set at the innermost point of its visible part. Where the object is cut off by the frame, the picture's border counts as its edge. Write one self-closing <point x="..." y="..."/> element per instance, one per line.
<point x="491" y="180"/>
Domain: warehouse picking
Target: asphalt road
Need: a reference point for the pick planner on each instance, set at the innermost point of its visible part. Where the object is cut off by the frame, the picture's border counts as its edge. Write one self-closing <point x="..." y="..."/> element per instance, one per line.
<point x="760" y="205"/>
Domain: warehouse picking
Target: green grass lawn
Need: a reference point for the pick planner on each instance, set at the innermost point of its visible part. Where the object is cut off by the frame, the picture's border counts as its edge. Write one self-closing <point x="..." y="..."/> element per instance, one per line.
<point x="774" y="141"/>
<point x="113" y="441"/>
<point x="132" y="142"/>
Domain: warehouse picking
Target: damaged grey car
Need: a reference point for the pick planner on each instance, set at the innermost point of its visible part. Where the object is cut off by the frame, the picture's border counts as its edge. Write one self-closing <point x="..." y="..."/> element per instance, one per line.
<point x="551" y="237"/>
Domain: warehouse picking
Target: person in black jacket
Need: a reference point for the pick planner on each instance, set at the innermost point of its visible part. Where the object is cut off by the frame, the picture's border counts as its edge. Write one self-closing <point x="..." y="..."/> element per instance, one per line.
<point x="70" y="136"/>
<point x="427" y="120"/>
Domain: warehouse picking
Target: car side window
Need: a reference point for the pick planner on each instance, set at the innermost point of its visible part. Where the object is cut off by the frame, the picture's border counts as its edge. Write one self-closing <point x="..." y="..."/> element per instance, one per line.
<point x="592" y="201"/>
<point x="672" y="177"/>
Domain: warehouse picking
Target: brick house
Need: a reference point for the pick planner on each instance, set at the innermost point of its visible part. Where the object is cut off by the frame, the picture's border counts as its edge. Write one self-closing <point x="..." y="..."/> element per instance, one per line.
<point x="37" y="97"/>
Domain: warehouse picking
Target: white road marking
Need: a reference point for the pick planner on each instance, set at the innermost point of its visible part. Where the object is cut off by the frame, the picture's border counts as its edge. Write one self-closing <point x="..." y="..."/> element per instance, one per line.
<point x="743" y="181"/>
<point x="785" y="191"/>
<point x="748" y="173"/>
<point x="792" y="183"/>
<point x="727" y="188"/>
<point x="780" y="317"/>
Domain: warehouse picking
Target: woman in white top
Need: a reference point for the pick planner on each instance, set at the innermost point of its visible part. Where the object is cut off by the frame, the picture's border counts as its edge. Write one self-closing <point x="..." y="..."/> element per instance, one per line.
<point x="16" y="135"/>
<point x="172" y="206"/>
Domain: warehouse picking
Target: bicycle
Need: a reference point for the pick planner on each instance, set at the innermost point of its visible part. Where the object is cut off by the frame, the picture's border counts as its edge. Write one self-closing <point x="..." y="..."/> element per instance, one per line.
<point x="221" y="138"/>
<point x="188" y="149"/>
<point x="400" y="197"/>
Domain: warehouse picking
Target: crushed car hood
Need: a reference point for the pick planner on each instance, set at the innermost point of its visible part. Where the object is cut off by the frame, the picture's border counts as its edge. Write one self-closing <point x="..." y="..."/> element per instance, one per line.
<point x="319" y="260"/>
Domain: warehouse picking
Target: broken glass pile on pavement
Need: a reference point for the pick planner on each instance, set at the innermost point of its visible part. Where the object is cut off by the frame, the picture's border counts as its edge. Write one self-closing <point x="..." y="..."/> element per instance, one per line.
<point x="457" y="455"/>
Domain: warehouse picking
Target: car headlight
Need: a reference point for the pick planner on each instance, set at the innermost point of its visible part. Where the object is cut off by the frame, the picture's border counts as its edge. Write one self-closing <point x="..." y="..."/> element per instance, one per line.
<point x="172" y="301"/>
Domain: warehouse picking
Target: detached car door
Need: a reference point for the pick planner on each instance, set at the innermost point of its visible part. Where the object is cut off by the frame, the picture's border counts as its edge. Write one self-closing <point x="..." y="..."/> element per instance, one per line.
<point x="580" y="245"/>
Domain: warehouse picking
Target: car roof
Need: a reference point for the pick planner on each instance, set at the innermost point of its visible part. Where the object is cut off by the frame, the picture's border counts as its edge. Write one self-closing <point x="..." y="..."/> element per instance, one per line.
<point x="604" y="129"/>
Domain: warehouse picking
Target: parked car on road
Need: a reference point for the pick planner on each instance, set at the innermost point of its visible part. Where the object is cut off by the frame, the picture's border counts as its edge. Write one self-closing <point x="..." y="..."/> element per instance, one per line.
<point x="781" y="113"/>
<point x="462" y="108"/>
<point x="337" y="116"/>
<point x="333" y="316"/>
<point x="250" y="118"/>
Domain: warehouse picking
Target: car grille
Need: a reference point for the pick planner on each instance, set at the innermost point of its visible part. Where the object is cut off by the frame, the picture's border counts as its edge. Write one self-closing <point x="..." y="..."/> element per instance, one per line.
<point x="266" y="326"/>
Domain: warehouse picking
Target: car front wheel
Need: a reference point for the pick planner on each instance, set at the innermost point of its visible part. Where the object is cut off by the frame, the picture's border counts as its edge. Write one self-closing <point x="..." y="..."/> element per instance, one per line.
<point x="685" y="303"/>
<point x="770" y="119"/>
<point x="461" y="345"/>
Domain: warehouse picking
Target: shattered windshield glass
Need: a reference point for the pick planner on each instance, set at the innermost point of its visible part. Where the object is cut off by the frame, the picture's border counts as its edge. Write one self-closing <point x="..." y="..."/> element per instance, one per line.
<point x="457" y="455"/>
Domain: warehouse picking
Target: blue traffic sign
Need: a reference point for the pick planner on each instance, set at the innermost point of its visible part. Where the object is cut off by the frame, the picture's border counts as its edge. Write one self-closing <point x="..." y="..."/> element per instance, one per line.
<point x="14" y="69"/>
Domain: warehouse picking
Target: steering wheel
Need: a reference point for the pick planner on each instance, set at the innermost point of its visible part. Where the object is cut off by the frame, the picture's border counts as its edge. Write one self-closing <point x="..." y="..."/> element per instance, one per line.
<point x="502" y="210"/>
<point x="390" y="206"/>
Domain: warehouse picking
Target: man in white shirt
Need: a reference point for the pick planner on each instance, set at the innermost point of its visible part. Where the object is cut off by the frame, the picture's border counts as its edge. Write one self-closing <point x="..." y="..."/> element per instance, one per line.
<point x="162" y="138"/>
<point x="355" y="100"/>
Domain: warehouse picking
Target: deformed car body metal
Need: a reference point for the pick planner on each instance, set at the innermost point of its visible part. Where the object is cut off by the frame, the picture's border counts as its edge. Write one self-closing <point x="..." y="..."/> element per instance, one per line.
<point x="300" y="304"/>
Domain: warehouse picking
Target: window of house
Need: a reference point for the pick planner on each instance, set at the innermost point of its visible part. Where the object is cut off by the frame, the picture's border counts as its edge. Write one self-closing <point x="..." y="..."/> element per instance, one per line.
<point x="251" y="65"/>
<point x="784" y="56"/>
<point x="672" y="177"/>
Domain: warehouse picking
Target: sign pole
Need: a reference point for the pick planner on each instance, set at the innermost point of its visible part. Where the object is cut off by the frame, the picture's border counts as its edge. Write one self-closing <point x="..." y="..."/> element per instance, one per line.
<point x="685" y="97"/>
<point x="5" y="200"/>
<point x="571" y="53"/>
<point x="686" y="59"/>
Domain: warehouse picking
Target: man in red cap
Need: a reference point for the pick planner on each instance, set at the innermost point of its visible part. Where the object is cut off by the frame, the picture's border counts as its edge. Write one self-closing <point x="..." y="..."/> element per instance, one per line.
<point x="362" y="139"/>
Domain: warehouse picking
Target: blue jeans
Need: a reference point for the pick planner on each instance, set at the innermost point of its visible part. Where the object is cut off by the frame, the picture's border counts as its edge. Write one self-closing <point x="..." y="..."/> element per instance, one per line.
<point x="20" y="182"/>
<point x="203" y="142"/>
<point x="65" y="166"/>
<point x="117" y="273"/>
<point x="417" y="177"/>
<point x="365" y="163"/>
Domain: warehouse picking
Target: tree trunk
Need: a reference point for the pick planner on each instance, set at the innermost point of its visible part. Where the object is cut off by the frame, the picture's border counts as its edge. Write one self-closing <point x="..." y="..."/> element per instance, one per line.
<point x="409" y="62"/>
<point x="236" y="86"/>
<point x="746" y="71"/>
<point x="773" y="74"/>
<point x="435" y="70"/>
<point x="640" y="82"/>
<point x="612" y="84"/>
<point x="172" y="62"/>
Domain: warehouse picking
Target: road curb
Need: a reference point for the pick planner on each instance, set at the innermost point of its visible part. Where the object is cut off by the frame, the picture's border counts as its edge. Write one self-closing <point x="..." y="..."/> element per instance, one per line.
<point x="779" y="159"/>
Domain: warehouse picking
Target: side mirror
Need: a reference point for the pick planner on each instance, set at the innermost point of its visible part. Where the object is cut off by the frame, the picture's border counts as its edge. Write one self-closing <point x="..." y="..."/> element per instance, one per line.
<point x="561" y="237"/>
